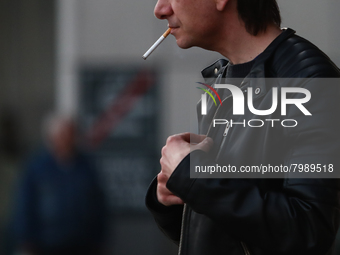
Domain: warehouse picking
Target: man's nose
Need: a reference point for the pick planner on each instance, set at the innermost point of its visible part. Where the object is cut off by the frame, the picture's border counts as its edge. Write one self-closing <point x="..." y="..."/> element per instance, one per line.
<point x="163" y="9"/>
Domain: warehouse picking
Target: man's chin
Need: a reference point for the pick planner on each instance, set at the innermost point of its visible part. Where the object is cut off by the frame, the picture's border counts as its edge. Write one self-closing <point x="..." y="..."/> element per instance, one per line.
<point x="184" y="45"/>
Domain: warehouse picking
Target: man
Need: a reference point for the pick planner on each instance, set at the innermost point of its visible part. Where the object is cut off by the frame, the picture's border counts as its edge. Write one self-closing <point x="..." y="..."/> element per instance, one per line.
<point x="60" y="207"/>
<point x="238" y="215"/>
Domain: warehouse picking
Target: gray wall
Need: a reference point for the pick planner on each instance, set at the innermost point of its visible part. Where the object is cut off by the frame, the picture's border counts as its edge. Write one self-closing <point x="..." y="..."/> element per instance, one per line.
<point x="27" y="63"/>
<point x="317" y="21"/>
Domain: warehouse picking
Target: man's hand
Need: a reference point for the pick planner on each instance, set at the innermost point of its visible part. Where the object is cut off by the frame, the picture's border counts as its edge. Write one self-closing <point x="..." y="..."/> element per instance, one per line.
<point x="176" y="149"/>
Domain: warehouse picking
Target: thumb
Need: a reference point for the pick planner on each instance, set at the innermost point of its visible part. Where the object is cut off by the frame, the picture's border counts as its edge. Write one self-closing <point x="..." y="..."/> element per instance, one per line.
<point x="205" y="145"/>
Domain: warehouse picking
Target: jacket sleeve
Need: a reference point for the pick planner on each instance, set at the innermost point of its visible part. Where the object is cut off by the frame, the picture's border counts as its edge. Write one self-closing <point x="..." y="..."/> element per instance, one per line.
<point x="302" y="217"/>
<point x="168" y="219"/>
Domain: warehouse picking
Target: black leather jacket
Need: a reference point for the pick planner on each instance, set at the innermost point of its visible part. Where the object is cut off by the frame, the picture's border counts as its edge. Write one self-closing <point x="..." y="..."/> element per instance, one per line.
<point x="263" y="216"/>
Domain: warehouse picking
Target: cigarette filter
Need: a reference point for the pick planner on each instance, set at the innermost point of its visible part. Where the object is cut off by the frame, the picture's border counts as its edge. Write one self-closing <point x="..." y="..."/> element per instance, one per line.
<point x="158" y="42"/>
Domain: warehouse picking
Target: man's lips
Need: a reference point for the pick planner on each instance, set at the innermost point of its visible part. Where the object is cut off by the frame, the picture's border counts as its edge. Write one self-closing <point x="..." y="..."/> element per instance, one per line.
<point x="173" y="29"/>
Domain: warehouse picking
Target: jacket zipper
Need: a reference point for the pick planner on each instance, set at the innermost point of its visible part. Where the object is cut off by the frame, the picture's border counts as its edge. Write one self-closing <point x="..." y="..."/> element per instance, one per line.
<point x="245" y="248"/>
<point x="225" y="133"/>
<point x="216" y="113"/>
<point x="226" y="129"/>
<point x="182" y="230"/>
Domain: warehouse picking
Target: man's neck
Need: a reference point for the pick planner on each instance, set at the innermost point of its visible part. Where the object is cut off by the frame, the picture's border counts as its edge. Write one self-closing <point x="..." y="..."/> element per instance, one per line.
<point x="241" y="47"/>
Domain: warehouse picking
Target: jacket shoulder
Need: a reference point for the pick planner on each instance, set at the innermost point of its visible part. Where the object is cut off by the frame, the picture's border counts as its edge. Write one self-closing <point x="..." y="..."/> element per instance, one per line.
<point x="297" y="57"/>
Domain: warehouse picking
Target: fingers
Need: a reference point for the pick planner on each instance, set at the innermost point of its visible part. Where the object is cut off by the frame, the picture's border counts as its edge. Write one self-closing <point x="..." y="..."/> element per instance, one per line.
<point x="190" y="137"/>
<point x="162" y="178"/>
<point x="195" y="138"/>
<point x="173" y="200"/>
<point x="176" y="148"/>
<point x="205" y="145"/>
<point x="173" y="153"/>
<point x="165" y="196"/>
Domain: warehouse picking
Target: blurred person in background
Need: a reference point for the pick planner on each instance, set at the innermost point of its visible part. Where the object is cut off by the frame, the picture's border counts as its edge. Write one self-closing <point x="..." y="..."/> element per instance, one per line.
<point x="60" y="207"/>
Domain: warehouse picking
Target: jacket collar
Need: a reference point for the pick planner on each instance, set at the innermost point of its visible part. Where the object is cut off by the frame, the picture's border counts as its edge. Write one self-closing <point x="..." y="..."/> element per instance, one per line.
<point x="214" y="69"/>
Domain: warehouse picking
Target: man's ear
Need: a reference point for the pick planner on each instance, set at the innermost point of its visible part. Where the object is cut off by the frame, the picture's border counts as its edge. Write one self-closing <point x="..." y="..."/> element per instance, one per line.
<point x="220" y="4"/>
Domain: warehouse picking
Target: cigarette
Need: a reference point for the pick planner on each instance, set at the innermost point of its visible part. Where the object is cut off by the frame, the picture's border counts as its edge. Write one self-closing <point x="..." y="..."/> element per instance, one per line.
<point x="155" y="45"/>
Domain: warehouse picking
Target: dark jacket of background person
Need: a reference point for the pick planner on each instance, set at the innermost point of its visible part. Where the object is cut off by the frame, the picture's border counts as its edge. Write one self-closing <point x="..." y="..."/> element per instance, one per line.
<point x="262" y="216"/>
<point x="60" y="207"/>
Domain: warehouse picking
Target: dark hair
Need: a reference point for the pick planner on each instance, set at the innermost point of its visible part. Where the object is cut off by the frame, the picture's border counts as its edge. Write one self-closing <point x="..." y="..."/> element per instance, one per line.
<point x="258" y="14"/>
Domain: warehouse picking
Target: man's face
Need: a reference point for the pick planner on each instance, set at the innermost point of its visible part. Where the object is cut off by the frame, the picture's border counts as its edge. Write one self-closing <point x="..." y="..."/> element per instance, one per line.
<point x="62" y="138"/>
<point x="192" y="22"/>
